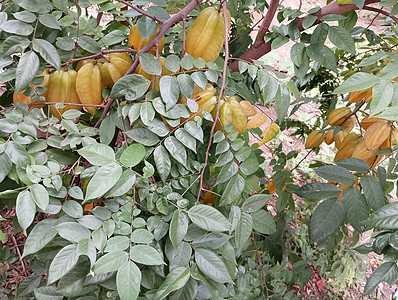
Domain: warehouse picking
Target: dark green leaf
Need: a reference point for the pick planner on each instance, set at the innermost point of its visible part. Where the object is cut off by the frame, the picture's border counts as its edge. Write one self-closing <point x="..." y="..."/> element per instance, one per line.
<point x="176" y="149"/>
<point x="89" y="44"/>
<point x="25" y="209"/>
<point x="341" y="38"/>
<point x="212" y="265"/>
<point x="213" y="241"/>
<point x="318" y="191"/>
<point x="323" y="55"/>
<point x="162" y="162"/>
<point x="128" y="281"/>
<point x="146" y="27"/>
<point x="356" y="207"/>
<point x="243" y="230"/>
<point x="133" y="155"/>
<point x="255" y="202"/>
<point x="169" y="90"/>
<point x="263" y="222"/>
<point x="97" y="154"/>
<point x="358" y="82"/>
<point x="146" y="255"/>
<point x="175" y="280"/>
<point x="387" y="272"/>
<point x="123" y="185"/>
<point x="40" y="236"/>
<point x="143" y="136"/>
<point x="336" y="174"/>
<point x="208" y="218"/>
<point x="178" y="227"/>
<point x="384" y="218"/>
<point x="26" y="70"/>
<point x="110" y="262"/>
<point x="131" y="87"/>
<point x="326" y="219"/>
<point x="149" y="64"/>
<point x="103" y="180"/>
<point x="354" y="164"/>
<point x="63" y="262"/>
<point x="233" y="190"/>
<point x="373" y="192"/>
<point x="72" y="231"/>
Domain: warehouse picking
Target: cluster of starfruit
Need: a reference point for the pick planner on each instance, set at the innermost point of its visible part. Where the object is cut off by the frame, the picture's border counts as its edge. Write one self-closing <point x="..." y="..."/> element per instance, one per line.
<point x="81" y="86"/>
<point x="374" y="134"/>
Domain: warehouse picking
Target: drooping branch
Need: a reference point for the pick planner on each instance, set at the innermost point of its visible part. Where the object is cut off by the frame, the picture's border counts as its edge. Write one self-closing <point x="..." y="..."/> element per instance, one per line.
<point x="141" y="11"/>
<point x="260" y="47"/>
<point x="383" y="12"/>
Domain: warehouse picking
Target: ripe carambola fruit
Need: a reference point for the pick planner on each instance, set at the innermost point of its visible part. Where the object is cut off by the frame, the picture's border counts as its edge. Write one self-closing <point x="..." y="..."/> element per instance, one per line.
<point x="358" y="96"/>
<point x="138" y="42"/>
<point x="113" y="68"/>
<point x="21" y="98"/>
<point x="256" y="121"/>
<point x="347" y="147"/>
<point x="314" y="139"/>
<point x="165" y="72"/>
<point x="361" y="152"/>
<point x="338" y="116"/>
<point x="232" y="112"/>
<point x="269" y="133"/>
<point x="206" y="36"/>
<point x="89" y="85"/>
<point x="249" y="108"/>
<point x="329" y="137"/>
<point x="62" y="89"/>
<point x="367" y="122"/>
<point x="376" y="134"/>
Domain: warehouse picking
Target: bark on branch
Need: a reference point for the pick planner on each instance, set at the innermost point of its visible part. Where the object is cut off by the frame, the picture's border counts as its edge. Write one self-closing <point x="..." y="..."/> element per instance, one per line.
<point x="260" y="47"/>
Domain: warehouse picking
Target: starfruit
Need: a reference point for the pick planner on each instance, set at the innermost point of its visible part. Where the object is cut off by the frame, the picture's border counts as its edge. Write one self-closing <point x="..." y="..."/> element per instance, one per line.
<point x="314" y="139"/>
<point x="21" y="98"/>
<point x="203" y="97"/>
<point x="347" y="147"/>
<point x="348" y="124"/>
<point x="367" y="122"/>
<point x="114" y="67"/>
<point x="376" y="134"/>
<point x="209" y="198"/>
<point x="165" y="72"/>
<point x="361" y="152"/>
<point x="269" y="133"/>
<point x="249" y="108"/>
<point x="230" y="113"/>
<point x="138" y="42"/>
<point x="339" y="137"/>
<point x="339" y="116"/>
<point x="358" y="96"/>
<point x="256" y="121"/>
<point x="81" y="63"/>
<point x="206" y="36"/>
<point x="63" y="90"/>
<point x="394" y="137"/>
<point x="89" y="86"/>
<point x="329" y="137"/>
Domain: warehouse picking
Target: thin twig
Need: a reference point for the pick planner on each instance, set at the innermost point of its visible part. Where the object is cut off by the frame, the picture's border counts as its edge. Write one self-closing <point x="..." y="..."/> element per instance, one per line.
<point x="309" y="152"/>
<point x="19" y="255"/>
<point x="66" y="103"/>
<point x="223" y="86"/>
<point x="260" y="265"/>
<point x="142" y="12"/>
<point x="383" y="12"/>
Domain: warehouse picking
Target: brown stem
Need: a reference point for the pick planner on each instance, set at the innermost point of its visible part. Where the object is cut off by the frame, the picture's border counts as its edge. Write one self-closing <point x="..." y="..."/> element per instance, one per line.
<point x="66" y="103"/>
<point x="260" y="265"/>
<point x="105" y="112"/>
<point x="223" y="86"/>
<point x="260" y="48"/>
<point x="142" y="12"/>
<point x="383" y="12"/>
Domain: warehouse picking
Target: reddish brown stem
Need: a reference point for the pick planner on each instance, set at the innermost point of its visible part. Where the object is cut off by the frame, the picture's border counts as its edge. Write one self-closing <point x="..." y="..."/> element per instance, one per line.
<point x="383" y="12"/>
<point x="142" y="12"/>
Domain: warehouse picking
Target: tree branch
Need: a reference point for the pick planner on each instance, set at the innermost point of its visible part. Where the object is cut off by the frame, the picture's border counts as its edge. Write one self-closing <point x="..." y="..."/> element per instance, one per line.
<point x="142" y="12"/>
<point x="383" y="12"/>
<point x="260" y="48"/>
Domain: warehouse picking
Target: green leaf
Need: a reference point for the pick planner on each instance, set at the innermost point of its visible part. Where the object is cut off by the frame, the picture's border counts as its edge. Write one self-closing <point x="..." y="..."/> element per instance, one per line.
<point x="49" y="21"/>
<point x="212" y="265"/>
<point x="195" y="130"/>
<point x="279" y="42"/>
<point x="309" y="21"/>
<point x="358" y="82"/>
<point x="186" y="139"/>
<point x="336" y="174"/>
<point x="200" y="79"/>
<point x="270" y="90"/>
<point x="319" y="35"/>
<point x="172" y="63"/>
<point x="169" y="90"/>
<point x="243" y="230"/>
<point x="212" y="241"/>
<point x="356" y="207"/>
<point x="296" y="53"/>
<point x="142" y="236"/>
<point x="15" y="44"/>
<point x="390" y="114"/>
<point x="187" y="62"/>
<point x="90" y="222"/>
<point x="133" y="155"/>
<point x="72" y="231"/>
<point x="390" y="71"/>
<point x="40" y="196"/>
<point x="89" y="44"/>
<point x="162" y="162"/>
<point x="233" y="190"/>
<point x="208" y="218"/>
<point x="187" y="292"/>
<point x="128" y="281"/>
<point x="143" y="136"/>
<point x="47" y="293"/>
<point x="103" y="180"/>
<point x="131" y="87"/>
<point x="255" y="202"/>
<point x="6" y="165"/>
<point x="63" y="262"/>
<point x="373" y="192"/>
<point x="385" y="218"/>
<point x="117" y="243"/>
<point x="114" y="37"/>
<point x="387" y="272"/>
<point x="123" y="185"/>
<point x="341" y="38"/>
<point x="318" y="191"/>
<point x="227" y="172"/>
<point x="146" y="255"/>
<point x="110" y="262"/>
<point x="178" y="227"/>
<point x="26" y="70"/>
<point x="17" y="27"/>
<point x="147" y="113"/>
<point x="48" y="52"/>
<point x="175" y="280"/>
<point x="186" y="84"/>
<point x="25" y="16"/>
<point x="263" y="222"/>
<point x="146" y="27"/>
<point x="28" y="285"/>
<point x="323" y="55"/>
<point x="97" y="154"/>
<point x="40" y="236"/>
<point x="25" y="209"/>
<point x="149" y="64"/>
<point x="176" y="149"/>
<point x="382" y="94"/>
<point x="326" y="219"/>
<point x="354" y="164"/>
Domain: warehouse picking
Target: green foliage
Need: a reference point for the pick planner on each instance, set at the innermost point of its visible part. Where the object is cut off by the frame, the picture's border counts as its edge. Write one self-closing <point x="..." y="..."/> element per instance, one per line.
<point x="124" y="192"/>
